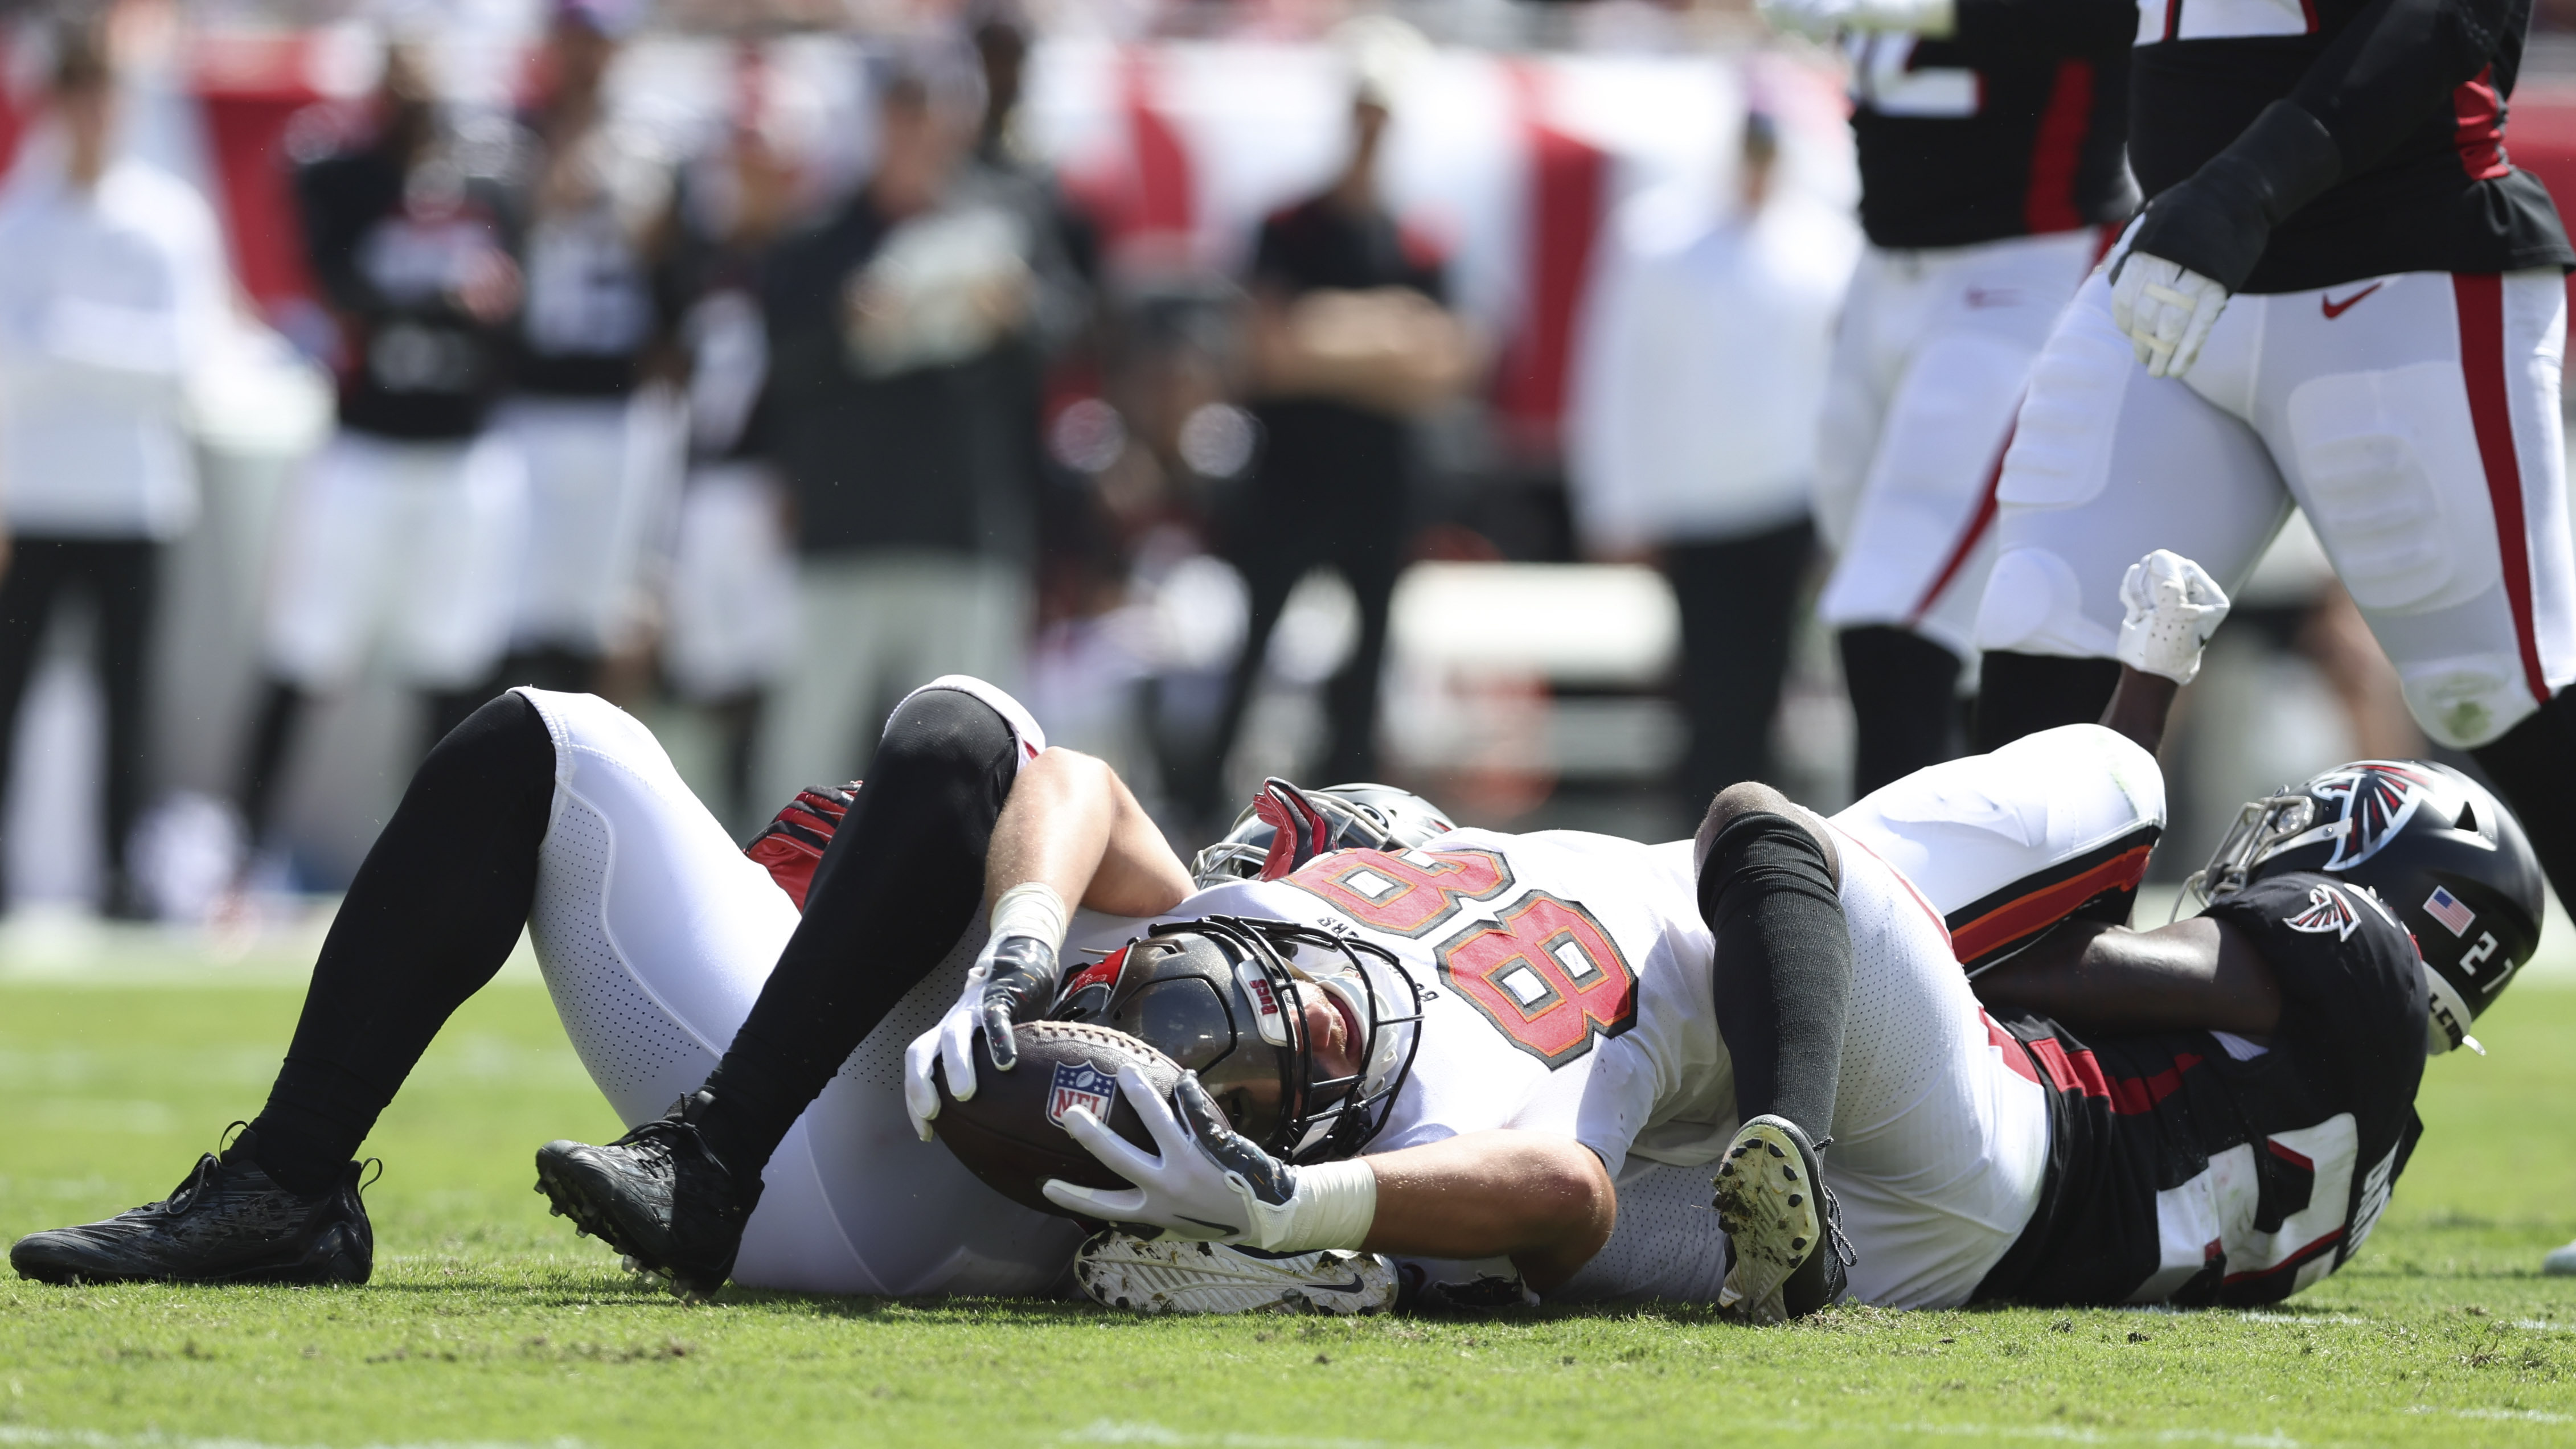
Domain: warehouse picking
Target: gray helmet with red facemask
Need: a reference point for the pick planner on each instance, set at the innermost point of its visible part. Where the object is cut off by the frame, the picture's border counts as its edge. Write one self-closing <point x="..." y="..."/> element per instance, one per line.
<point x="2432" y="844"/>
<point x="1286" y="826"/>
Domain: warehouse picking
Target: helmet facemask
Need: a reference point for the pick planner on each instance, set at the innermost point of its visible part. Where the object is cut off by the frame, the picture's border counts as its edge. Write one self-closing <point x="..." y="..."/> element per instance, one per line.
<point x="1226" y="997"/>
<point x="2433" y="846"/>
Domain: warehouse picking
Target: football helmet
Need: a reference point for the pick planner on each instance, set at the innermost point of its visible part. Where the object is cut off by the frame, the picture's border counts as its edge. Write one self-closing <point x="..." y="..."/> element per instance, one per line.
<point x="1223" y="998"/>
<point x="2432" y="844"/>
<point x="1285" y="827"/>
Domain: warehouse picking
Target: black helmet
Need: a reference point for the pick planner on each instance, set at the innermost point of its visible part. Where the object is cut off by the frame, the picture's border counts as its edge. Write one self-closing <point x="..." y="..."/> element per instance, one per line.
<point x="1357" y="816"/>
<point x="2432" y="844"/>
<point x="1220" y="996"/>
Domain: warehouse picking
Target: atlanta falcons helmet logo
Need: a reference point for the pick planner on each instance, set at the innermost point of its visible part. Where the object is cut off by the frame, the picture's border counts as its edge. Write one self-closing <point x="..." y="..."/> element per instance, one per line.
<point x="2378" y="798"/>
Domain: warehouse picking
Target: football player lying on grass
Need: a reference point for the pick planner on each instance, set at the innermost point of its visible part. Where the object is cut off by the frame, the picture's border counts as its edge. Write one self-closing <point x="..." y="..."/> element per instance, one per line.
<point x="1452" y="1046"/>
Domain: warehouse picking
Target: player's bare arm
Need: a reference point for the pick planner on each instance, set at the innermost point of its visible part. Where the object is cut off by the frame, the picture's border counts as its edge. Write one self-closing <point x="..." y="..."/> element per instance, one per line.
<point x="1543" y="1201"/>
<point x="1070" y="832"/>
<point x="1072" y="824"/>
<point x="2195" y="975"/>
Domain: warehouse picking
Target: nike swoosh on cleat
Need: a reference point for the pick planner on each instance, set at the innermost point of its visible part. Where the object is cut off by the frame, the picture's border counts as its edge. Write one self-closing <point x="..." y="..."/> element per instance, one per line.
<point x="1356" y="1285"/>
<point x="2334" y="309"/>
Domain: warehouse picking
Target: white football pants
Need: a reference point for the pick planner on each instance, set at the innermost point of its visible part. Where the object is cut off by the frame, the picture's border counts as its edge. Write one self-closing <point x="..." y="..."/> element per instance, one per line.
<point x="413" y="541"/>
<point x="655" y="934"/>
<point x="1929" y="365"/>
<point x="2414" y="417"/>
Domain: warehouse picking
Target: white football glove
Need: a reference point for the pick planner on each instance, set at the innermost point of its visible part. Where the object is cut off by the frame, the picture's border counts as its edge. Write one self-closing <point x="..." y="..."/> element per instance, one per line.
<point x="1211" y="1182"/>
<point x="1013" y="981"/>
<point x="1822" y="20"/>
<point x="2166" y="309"/>
<point x="2173" y="607"/>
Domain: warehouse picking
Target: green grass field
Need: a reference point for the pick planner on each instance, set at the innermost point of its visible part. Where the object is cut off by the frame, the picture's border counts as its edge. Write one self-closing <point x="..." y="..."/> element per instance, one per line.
<point x="488" y="1322"/>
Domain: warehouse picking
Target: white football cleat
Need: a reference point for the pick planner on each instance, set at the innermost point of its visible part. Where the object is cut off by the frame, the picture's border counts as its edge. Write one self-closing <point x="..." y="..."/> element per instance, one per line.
<point x="2561" y="1262"/>
<point x="1157" y="1275"/>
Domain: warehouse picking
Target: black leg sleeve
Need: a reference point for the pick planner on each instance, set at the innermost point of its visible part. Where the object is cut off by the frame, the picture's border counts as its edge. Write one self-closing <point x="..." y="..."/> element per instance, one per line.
<point x="2022" y="694"/>
<point x="2533" y="766"/>
<point x="1904" y="692"/>
<point x="899" y="884"/>
<point x="1783" y="968"/>
<point x="436" y="908"/>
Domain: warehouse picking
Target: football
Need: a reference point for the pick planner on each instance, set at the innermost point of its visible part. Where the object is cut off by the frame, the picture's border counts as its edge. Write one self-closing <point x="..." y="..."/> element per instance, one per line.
<point x="1010" y="1133"/>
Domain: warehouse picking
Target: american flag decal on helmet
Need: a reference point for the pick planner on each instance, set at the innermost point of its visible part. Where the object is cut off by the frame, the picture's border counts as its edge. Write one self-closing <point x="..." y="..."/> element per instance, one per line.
<point x="2328" y="910"/>
<point x="2450" y="910"/>
<point x="2378" y="797"/>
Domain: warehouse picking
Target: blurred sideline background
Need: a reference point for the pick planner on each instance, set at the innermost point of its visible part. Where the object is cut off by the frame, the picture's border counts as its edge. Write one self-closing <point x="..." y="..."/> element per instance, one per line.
<point x="1523" y="687"/>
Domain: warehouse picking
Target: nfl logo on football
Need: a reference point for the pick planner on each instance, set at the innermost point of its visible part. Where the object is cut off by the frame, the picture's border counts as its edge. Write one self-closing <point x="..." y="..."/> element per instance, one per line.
<point x="1080" y="1084"/>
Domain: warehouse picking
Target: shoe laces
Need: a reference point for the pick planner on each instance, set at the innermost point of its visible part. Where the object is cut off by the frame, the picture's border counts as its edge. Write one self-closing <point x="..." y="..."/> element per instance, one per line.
<point x="1833" y="1213"/>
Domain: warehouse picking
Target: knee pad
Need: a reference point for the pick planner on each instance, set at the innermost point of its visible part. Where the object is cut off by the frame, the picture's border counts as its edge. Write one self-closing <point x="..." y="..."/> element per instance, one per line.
<point x="2034" y="604"/>
<point x="504" y="744"/>
<point x="947" y="731"/>
<point x="2468" y="700"/>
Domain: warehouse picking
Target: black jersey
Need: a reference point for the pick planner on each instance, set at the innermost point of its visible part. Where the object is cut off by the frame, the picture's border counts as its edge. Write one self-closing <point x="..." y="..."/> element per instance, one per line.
<point x="2413" y="93"/>
<point x="592" y="310"/>
<point x="2012" y="127"/>
<point x="391" y="251"/>
<point x="2192" y="1168"/>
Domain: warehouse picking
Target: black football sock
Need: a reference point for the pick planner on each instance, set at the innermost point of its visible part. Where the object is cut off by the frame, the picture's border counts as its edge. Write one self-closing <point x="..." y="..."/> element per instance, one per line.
<point x="1783" y="968"/>
<point x="899" y="884"/>
<point x="2022" y="694"/>
<point x="2533" y="766"/>
<point x="1904" y="692"/>
<point x="435" y="910"/>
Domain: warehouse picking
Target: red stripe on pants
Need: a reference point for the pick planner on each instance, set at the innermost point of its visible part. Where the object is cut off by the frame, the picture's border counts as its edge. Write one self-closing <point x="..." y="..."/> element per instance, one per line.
<point x="2480" y="301"/>
<point x="1977" y="526"/>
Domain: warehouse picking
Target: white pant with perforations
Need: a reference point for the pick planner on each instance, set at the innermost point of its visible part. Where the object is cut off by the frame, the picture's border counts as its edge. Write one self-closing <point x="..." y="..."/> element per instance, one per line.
<point x="2414" y="417"/>
<point x="655" y="934"/>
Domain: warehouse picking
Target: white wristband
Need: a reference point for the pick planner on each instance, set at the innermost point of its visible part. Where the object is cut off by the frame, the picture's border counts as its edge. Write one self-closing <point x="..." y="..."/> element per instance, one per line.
<point x="1334" y="1206"/>
<point x="1031" y="908"/>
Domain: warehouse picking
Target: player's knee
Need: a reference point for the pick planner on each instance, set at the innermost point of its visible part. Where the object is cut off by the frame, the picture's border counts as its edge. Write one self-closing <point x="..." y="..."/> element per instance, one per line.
<point x="2467" y="701"/>
<point x="504" y="744"/>
<point x="944" y="732"/>
<point x="1745" y="797"/>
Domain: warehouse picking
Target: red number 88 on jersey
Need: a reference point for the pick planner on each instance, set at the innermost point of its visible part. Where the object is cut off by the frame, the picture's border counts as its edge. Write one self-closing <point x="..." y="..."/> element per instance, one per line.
<point x="1544" y="971"/>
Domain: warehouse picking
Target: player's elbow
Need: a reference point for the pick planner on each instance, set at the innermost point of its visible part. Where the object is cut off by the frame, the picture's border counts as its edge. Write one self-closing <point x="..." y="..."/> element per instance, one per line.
<point x="1569" y="1208"/>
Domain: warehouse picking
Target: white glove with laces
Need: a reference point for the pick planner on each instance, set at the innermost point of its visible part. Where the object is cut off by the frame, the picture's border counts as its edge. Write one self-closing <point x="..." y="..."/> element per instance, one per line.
<point x="2173" y="607"/>
<point x="1211" y="1182"/>
<point x="1013" y="980"/>
<point x="1821" y="20"/>
<point x="2166" y="309"/>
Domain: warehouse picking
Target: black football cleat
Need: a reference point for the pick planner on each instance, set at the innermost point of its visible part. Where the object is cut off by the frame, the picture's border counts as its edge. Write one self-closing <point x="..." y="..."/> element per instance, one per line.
<point x="230" y="1222"/>
<point x="1786" y="1254"/>
<point x="657" y="1195"/>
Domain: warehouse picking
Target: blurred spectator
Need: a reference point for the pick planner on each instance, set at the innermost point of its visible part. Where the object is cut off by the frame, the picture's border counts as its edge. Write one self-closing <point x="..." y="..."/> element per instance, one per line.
<point x="731" y="628"/>
<point x="409" y="519"/>
<point x="1694" y="441"/>
<point x="898" y="418"/>
<point x="1349" y="340"/>
<point x="601" y="449"/>
<point x="112" y="291"/>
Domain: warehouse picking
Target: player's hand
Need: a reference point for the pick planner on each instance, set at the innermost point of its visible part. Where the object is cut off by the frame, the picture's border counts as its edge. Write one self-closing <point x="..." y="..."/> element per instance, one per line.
<point x="2166" y="309"/>
<point x="1208" y="1182"/>
<point x="1012" y="981"/>
<point x="1822" y="20"/>
<point x="2173" y="607"/>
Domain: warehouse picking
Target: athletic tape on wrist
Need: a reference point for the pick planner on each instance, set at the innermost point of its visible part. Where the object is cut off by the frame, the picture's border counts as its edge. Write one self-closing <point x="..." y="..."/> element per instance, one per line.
<point x="1334" y="1207"/>
<point x="1031" y="908"/>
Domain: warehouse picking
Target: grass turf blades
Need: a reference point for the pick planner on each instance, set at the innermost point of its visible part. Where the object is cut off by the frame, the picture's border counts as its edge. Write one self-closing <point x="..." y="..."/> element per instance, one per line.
<point x="489" y="1323"/>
